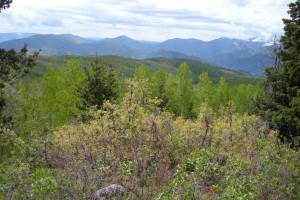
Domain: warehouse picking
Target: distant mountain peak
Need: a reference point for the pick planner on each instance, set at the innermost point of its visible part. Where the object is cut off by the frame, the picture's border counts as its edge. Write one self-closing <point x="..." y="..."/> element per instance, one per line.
<point x="223" y="38"/>
<point x="62" y="37"/>
<point x="183" y="39"/>
<point x="123" y="37"/>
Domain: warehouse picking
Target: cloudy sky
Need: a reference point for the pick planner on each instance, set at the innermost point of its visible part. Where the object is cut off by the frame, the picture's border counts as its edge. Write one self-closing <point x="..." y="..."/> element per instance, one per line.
<point x="155" y="20"/>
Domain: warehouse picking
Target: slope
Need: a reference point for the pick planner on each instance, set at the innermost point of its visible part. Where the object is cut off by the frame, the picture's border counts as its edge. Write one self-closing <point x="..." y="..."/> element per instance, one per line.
<point x="126" y="67"/>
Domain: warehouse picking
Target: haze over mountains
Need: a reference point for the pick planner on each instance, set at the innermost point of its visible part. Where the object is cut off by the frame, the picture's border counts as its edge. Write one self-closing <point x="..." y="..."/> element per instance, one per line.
<point x="248" y="56"/>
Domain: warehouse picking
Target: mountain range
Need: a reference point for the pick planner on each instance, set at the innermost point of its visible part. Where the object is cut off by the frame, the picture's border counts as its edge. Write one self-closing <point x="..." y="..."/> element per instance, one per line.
<point x="10" y="36"/>
<point x="243" y="55"/>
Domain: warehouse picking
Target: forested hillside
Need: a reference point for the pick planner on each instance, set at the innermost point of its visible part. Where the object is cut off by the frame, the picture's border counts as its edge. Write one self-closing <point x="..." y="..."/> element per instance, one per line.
<point x="109" y="127"/>
<point x="125" y="67"/>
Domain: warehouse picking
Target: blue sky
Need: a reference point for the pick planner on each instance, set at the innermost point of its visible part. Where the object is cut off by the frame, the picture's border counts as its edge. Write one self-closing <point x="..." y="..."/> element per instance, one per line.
<point x="155" y="20"/>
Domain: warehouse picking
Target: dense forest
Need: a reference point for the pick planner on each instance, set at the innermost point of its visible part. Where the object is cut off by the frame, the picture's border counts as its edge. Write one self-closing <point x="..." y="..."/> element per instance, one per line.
<point x="108" y="127"/>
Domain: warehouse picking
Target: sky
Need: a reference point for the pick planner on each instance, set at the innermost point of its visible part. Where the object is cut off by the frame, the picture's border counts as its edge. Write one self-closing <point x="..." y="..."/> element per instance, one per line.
<point x="154" y="20"/>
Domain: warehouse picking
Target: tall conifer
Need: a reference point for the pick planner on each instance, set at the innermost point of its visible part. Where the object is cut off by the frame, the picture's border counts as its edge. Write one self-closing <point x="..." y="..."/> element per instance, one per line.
<point x="280" y="102"/>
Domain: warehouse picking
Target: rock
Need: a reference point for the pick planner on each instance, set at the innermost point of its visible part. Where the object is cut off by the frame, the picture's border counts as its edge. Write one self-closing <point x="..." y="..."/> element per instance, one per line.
<point x="114" y="190"/>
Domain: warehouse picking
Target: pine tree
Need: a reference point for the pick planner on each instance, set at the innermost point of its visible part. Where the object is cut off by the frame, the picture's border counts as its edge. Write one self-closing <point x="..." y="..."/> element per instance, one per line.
<point x="5" y="4"/>
<point x="13" y="65"/>
<point x="280" y="101"/>
<point x="100" y="85"/>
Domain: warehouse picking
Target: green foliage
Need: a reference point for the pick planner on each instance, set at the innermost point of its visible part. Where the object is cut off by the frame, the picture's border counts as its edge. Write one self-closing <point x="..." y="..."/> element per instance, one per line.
<point x="13" y="65"/>
<point x="178" y="94"/>
<point x="142" y="145"/>
<point x="185" y="91"/>
<point x="244" y="96"/>
<point x="141" y="85"/>
<point x="222" y="94"/>
<point x="50" y="102"/>
<point x="158" y="80"/>
<point x="17" y="181"/>
<point x="161" y="134"/>
<point x="171" y="94"/>
<point x="126" y="67"/>
<point x="12" y="179"/>
<point x="100" y="85"/>
<point x="280" y="102"/>
<point x="128" y="167"/>
<point x="207" y="174"/>
<point x="142" y="73"/>
<point x="43" y="184"/>
<point x="205" y="90"/>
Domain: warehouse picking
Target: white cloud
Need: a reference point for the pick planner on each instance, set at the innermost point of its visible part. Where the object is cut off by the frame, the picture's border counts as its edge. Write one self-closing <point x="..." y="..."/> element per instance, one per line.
<point x="148" y="19"/>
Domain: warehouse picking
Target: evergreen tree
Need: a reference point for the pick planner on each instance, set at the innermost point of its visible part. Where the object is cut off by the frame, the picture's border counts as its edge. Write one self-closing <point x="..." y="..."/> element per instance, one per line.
<point x="280" y="101"/>
<point x="100" y="85"/>
<point x="12" y="66"/>
<point x="5" y="4"/>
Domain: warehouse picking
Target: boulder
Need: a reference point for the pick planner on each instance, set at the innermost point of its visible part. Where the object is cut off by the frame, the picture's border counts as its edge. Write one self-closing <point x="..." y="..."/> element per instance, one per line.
<point x="114" y="190"/>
